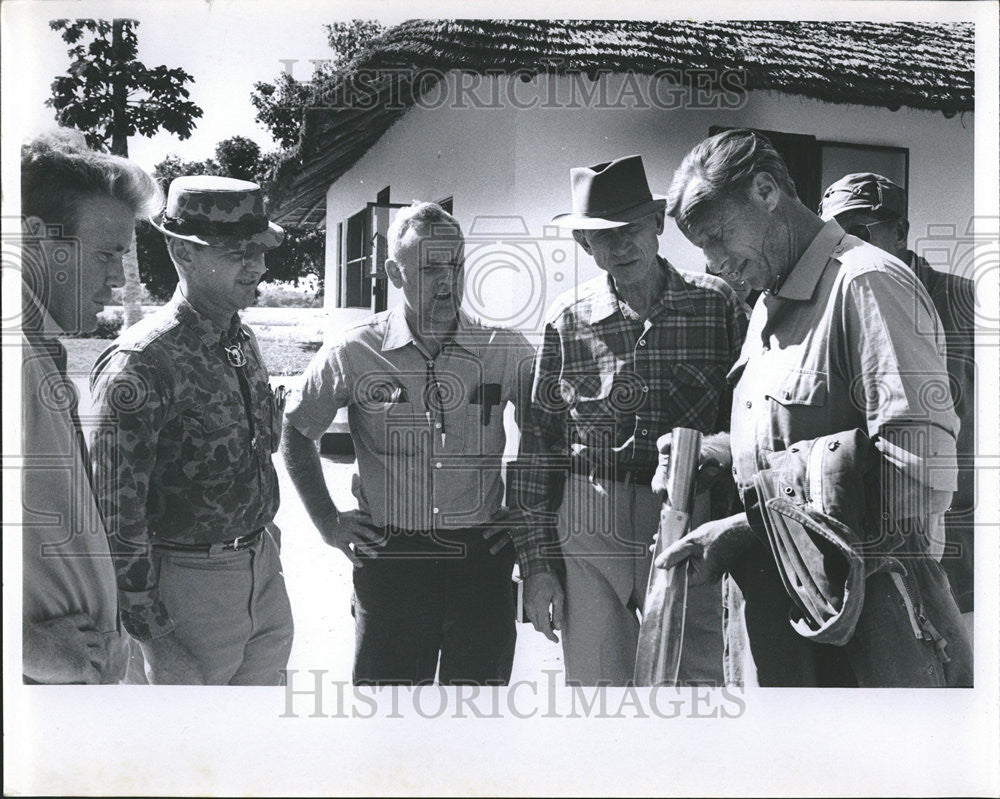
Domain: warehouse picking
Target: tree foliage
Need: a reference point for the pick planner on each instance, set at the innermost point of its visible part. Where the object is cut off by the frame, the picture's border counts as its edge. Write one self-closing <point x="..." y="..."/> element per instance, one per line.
<point x="110" y="95"/>
<point x="239" y="157"/>
<point x="281" y="105"/>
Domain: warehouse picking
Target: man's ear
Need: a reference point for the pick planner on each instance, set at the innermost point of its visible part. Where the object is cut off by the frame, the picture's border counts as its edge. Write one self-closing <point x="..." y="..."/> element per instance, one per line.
<point x="902" y="231"/>
<point x="764" y="190"/>
<point x="661" y="217"/>
<point x="582" y="241"/>
<point x="180" y="252"/>
<point x="392" y="270"/>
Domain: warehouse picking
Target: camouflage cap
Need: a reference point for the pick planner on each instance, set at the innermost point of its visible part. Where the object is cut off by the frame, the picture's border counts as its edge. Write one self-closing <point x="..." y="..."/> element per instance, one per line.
<point x="863" y="191"/>
<point x="218" y="212"/>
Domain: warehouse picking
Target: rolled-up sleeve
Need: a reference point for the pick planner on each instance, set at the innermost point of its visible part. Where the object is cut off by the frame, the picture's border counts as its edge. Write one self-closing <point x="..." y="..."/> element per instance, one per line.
<point x="543" y="462"/>
<point x="323" y="391"/>
<point x="900" y="381"/>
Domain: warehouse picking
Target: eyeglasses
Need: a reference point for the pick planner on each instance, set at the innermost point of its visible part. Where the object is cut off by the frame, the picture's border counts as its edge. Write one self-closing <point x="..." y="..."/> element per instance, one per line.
<point x="863" y="231"/>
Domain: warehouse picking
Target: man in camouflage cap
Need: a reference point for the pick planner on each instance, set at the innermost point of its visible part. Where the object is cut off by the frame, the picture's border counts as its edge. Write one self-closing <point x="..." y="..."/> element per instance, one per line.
<point x="873" y="208"/>
<point x="182" y="454"/>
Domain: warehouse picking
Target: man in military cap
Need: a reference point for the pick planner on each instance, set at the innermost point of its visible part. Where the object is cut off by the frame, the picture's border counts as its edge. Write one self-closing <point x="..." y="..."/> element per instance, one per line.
<point x="873" y="208"/>
<point x="182" y="454"/>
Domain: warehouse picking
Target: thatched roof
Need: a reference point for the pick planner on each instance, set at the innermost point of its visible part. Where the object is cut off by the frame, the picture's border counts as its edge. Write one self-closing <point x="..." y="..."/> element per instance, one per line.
<point x="918" y="65"/>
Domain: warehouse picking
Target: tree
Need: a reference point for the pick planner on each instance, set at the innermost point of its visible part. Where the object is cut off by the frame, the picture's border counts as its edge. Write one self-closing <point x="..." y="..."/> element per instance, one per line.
<point x="239" y="157"/>
<point x="110" y="95"/>
<point x="281" y="105"/>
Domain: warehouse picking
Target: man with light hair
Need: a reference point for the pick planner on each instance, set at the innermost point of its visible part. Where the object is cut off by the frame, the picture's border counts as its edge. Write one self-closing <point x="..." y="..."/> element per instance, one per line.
<point x="425" y="386"/>
<point x="78" y="213"/>
<point x="843" y="350"/>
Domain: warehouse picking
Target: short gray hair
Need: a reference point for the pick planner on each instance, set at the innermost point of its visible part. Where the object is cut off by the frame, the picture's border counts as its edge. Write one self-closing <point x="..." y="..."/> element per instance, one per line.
<point x="59" y="170"/>
<point x="727" y="163"/>
<point x="424" y="218"/>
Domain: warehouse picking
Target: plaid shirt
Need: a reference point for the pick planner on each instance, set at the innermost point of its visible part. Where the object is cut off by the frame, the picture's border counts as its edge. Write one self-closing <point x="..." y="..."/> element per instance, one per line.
<point x="607" y="384"/>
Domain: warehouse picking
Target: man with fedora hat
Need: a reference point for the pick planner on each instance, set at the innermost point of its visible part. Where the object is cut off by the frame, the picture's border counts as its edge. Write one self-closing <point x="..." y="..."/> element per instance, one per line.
<point x="625" y="358"/>
<point x="187" y="424"/>
<point x="873" y="208"/>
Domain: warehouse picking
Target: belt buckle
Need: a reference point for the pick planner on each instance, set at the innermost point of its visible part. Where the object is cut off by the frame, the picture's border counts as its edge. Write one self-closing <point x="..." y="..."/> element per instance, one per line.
<point x="236" y="544"/>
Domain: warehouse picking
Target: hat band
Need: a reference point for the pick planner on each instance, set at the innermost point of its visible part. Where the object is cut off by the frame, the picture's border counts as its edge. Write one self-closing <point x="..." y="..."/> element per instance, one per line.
<point x="206" y="227"/>
<point x="601" y="212"/>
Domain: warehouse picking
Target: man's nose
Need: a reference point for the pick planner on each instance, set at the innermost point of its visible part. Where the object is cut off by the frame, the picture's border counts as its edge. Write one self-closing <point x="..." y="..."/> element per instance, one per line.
<point x="115" y="277"/>
<point x="255" y="264"/>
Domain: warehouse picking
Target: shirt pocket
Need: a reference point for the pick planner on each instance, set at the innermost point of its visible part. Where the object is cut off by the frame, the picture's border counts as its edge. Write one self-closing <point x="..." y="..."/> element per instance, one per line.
<point x="394" y="428"/>
<point x="214" y="444"/>
<point x="801" y="387"/>
<point x="601" y="409"/>
<point x="798" y="407"/>
<point x="693" y="394"/>
<point x="483" y="431"/>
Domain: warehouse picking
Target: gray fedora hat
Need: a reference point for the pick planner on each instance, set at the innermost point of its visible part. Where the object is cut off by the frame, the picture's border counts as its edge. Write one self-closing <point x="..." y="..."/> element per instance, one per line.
<point x="609" y="195"/>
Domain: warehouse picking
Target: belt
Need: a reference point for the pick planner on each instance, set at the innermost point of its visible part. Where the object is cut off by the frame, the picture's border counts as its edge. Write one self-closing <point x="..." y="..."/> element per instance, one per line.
<point x="237" y="544"/>
<point x="619" y="474"/>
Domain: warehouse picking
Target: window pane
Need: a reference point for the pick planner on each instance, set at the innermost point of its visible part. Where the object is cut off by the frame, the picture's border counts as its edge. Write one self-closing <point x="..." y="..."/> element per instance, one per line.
<point x="843" y="159"/>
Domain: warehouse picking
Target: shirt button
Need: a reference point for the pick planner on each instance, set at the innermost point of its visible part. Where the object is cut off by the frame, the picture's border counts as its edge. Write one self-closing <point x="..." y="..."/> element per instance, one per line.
<point x="430" y="364"/>
<point x="645" y="389"/>
<point x="749" y="404"/>
<point x="645" y="432"/>
<point x="642" y="342"/>
<point x="436" y="510"/>
<point x="437" y="425"/>
<point x="437" y="465"/>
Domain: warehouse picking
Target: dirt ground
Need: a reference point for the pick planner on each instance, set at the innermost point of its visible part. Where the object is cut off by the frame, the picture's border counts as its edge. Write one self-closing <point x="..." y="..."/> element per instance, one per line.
<point x="318" y="578"/>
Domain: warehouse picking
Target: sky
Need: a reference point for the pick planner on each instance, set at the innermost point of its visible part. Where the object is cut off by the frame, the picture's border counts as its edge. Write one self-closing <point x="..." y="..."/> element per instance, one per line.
<point x="225" y="45"/>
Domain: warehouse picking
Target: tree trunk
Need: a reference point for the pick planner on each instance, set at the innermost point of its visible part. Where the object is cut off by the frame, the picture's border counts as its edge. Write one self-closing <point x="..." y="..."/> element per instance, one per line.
<point x="131" y="300"/>
<point x="132" y="295"/>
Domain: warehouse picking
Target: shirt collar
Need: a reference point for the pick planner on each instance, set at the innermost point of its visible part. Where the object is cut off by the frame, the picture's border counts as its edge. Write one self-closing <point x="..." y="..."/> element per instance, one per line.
<point x="34" y="308"/>
<point x="676" y="295"/>
<point x="210" y="333"/>
<point x="398" y="333"/>
<point x="804" y="277"/>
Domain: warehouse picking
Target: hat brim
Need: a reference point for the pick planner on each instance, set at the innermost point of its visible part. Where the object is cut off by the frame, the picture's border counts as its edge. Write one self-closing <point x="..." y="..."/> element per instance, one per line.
<point x="268" y="239"/>
<point x="618" y="219"/>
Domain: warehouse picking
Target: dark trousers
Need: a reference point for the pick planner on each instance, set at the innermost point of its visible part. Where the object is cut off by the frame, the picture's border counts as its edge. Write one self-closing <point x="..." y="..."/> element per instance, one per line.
<point x="434" y="594"/>
<point x="884" y="651"/>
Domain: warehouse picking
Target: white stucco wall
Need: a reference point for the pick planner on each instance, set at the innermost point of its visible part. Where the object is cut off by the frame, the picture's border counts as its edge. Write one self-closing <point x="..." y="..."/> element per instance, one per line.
<point x="515" y="162"/>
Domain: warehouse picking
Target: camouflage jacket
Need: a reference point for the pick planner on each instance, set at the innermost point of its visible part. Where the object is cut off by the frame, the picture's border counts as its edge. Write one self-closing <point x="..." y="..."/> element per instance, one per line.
<point x="176" y="457"/>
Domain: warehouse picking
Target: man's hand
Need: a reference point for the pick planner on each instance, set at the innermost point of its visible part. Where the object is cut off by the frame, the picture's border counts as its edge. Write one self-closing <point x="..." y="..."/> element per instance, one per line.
<point x="709" y="550"/>
<point x="497" y="532"/>
<point x="169" y="662"/>
<point x="713" y="459"/>
<point x="541" y="591"/>
<point x="65" y="650"/>
<point x="350" y="531"/>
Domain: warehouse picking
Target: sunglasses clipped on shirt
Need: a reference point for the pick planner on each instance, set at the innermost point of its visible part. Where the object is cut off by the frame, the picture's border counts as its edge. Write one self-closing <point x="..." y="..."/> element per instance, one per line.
<point x="863" y="231"/>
